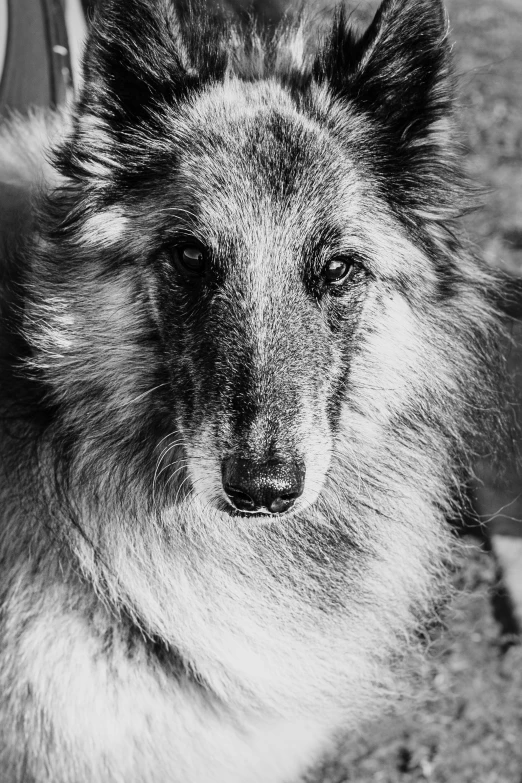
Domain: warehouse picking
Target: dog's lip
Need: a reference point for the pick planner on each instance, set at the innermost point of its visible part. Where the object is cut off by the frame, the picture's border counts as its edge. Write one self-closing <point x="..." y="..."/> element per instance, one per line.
<point x="261" y="514"/>
<point x="264" y="514"/>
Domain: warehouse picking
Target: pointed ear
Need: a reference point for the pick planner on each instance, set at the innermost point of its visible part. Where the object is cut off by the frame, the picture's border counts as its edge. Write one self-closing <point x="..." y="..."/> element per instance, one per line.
<point x="142" y="59"/>
<point x="399" y="71"/>
<point x="139" y="57"/>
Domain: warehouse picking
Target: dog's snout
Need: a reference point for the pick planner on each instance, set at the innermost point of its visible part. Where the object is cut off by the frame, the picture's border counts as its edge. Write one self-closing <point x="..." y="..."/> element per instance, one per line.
<point x="273" y="486"/>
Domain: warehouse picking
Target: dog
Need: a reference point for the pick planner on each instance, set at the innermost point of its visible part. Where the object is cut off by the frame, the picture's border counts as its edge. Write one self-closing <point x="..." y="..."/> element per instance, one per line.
<point x="246" y="361"/>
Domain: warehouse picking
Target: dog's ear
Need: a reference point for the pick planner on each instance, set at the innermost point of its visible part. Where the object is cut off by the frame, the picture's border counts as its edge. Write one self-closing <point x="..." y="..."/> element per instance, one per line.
<point x="398" y="72"/>
<point x="141" y="55"/>
<point x="395" y="85"/>
<point x="142" y="59"/>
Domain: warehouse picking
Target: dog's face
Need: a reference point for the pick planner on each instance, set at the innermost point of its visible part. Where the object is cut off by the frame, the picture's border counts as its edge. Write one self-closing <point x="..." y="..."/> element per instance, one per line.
<point x="257" y="291"/>
<point x="254" y="221"/>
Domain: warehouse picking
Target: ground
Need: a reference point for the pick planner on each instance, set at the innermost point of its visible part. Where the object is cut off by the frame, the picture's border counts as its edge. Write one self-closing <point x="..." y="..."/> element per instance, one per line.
<point x="467" y="726"/>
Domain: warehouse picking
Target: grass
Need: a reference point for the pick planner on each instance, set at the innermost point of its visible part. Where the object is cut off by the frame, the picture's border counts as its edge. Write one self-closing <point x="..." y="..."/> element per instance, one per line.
<point x="467" y="725"/>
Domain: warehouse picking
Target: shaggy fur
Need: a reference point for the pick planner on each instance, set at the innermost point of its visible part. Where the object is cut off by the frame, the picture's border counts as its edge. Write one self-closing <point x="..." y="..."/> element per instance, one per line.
<point x="150" y="632"/>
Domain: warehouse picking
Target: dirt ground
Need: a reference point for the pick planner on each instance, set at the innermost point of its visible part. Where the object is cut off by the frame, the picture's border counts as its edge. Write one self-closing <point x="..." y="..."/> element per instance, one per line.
<point x="467" y="725"/>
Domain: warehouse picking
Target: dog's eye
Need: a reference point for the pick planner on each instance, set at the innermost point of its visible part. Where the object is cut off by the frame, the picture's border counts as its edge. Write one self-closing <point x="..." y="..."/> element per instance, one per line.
<point x="338" y="270"/>
<point x="190" y="260"/>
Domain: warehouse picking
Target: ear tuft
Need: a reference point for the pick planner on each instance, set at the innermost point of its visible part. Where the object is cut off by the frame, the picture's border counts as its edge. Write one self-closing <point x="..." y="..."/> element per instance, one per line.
<point x="398" y="71"/>
<point x="393" y="92"/>
<point x="142" y="59"/>
<point x="139" y="56"/>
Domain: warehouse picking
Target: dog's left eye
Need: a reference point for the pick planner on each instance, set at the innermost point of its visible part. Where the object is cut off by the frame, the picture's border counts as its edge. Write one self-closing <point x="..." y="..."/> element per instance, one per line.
<point x="190" y="260"/>
<point x="338" y="270"/>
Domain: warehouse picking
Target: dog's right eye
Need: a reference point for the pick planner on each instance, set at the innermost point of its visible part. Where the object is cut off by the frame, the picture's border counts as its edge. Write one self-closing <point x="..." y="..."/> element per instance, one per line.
<point x="339" y="270"/>
<point x="190" y="261"/>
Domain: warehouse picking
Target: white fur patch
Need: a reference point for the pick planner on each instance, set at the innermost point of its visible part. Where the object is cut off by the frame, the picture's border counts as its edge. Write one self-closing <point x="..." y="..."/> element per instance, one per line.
<point x="104" y="228"/>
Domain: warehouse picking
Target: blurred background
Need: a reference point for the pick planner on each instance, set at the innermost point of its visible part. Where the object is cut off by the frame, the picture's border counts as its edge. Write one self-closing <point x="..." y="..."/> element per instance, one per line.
<point x="466" y="724"/>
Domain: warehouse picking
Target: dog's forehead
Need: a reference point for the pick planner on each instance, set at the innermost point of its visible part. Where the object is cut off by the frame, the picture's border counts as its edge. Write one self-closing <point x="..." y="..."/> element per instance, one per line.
<point x="250" y="149"/>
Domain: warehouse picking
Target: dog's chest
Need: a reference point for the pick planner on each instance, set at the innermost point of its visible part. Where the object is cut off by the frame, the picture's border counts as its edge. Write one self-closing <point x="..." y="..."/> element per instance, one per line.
<point x="99" y="712"/>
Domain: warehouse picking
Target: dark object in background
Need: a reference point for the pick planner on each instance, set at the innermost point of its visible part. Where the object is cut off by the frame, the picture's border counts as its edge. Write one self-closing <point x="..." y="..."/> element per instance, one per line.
<point x="37" y="68"/>
<point x="496" y="494"/>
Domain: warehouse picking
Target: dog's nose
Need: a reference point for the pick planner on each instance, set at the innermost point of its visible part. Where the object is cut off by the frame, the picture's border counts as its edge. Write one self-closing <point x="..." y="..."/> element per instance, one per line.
<point x="273" y="485"/>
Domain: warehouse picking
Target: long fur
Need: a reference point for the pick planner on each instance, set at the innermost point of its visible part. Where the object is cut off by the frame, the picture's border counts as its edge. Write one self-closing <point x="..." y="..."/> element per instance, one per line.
<point x="148" y="633"/>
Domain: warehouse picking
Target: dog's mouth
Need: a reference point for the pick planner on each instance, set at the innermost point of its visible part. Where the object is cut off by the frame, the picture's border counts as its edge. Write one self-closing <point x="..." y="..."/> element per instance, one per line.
<point x="254" y="516"/>
<point x="259" y="514"/>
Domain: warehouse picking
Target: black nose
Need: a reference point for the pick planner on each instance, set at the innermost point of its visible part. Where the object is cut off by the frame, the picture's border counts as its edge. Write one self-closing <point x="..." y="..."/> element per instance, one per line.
<point x="273" y="485"/>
